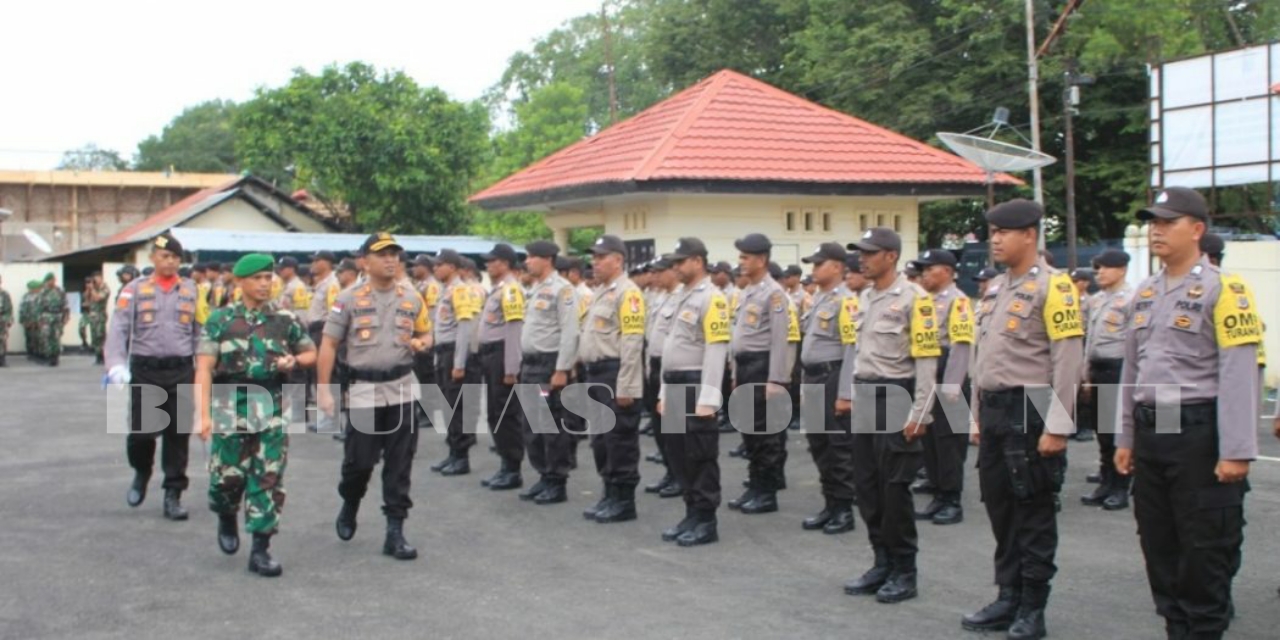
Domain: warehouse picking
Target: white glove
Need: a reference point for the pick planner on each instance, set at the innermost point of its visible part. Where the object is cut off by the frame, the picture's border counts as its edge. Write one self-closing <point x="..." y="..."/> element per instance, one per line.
<point x="119" y="376"/>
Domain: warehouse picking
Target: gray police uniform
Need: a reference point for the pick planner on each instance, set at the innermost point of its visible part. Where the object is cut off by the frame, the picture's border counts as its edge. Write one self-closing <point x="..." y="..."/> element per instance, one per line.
<point x="1190" y="360"/>
<point x="830" y="336"/>
<point x="760" y="348"/>
<point x="1107" y="318"/>
<point x="154" y="332"/>
<point x="549" y="342"/>
<point x="946" y="445"/>
<point x="456" y="312"/>
<point x="660" y="318"/>
<point x="501" y="322"/>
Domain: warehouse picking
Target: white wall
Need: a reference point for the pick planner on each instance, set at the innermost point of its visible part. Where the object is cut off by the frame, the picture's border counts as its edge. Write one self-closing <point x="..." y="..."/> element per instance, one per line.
<point x="13" y="278"/>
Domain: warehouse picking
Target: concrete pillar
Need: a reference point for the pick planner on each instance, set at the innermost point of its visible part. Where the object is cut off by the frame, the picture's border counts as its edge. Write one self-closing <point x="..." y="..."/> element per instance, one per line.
<point x="560" y="236"/>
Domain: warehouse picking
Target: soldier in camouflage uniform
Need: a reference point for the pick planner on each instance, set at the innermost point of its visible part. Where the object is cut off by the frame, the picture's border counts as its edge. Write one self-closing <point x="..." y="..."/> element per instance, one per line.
<point x="6" y="320"/>
<point x="96" y="297"/>
<point x="252" y="342"/>
<point x="52" y="316"/>
<point x="28" y="318"/>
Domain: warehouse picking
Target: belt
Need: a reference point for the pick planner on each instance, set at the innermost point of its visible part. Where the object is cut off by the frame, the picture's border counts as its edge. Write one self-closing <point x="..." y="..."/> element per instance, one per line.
<point x="492" y="347"/>
<point x="608" y="365"/>
<point x="822" y="368"/>
<point x="751" y="356"/>
<point x="1106" y="363"/>
<point x="538" y="357"/>
<point x="386" y="375"/>
<point x="1003" y="397"/>
<point x="162" y="362"/>
<point x="446" y="346"/>
<point x="1145" y="413"/>
<point x="901" y="382"/>
<point x="677" y="377"/>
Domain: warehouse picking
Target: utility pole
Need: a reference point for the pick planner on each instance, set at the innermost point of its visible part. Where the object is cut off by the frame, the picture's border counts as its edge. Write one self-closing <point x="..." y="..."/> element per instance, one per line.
<point x="608" y="61"/>
<point x="1070" y="99"/>
<point x="1033" y="91"/>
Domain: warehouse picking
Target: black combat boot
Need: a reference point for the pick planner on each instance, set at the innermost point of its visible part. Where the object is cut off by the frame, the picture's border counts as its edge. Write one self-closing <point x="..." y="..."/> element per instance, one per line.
<point x="508" y="478"/>
<point x="924" y="485"/>
<point x="173" y="508"/>
<point x="623" y="506"/>
<point x="1100" y="493"/>
<point x="1028" y="624"/>
<point x="673" y="490"/>
<point x="821" y="518"/>
<point x="901" y="584"/>
<point x="996" y="616"/>
<point x="532" y="492"/>
<point x="951" y="512"/>
<point x="443" y="464"/>
<point x="260" y="562"/>
<point x="658" y="486"/>
<point x="842" y="518"/>
<point x="138" y="490"/>
<point x="702" y="532"/>
<point x="747" y="496"/>
<point x="461" y="466"/>
<point x="935" y="505"/>
<point x="553" y="494"/>
<point x="606" y="498"/>
<point x="1119" y="498"/>
<point x="395" y="545"/>
<point x="346" y="523"/>
<point x="228" y="533"/>
<point x="763" y="502"/>
<point x="875" y="577"/>
<point x="673" y="533"/>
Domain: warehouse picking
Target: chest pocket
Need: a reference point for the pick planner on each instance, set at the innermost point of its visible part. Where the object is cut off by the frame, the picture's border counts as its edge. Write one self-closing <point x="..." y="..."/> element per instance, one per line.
<point x="604" y="320"/>
<point x="365" y="324"/>
<point x="824" y="322"/>
<point x="1020" y="318"/>
<point x="544" y="304"/>
<point x="750" y="315"/>
<point x="147" y="312"/>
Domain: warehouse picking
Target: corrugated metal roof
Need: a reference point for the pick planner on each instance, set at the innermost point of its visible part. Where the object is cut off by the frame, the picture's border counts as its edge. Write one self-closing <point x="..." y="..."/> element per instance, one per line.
<point x="280" y="242"/>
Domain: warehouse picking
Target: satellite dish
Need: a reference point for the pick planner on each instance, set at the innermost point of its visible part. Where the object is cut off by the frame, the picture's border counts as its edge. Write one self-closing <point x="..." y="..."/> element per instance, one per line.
<point x="993" y="155"/>
<point x="37" y="241"/>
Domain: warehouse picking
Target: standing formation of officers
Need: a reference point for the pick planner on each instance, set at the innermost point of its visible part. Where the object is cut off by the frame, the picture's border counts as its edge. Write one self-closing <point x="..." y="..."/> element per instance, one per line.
<point x="894" y="376"/>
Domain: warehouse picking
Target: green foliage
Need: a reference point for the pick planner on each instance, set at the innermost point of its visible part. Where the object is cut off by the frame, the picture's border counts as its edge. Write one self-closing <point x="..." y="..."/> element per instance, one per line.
<point x="91" y="157"/>
<point x="402" y="157"/>
<point x="200" y="139"/>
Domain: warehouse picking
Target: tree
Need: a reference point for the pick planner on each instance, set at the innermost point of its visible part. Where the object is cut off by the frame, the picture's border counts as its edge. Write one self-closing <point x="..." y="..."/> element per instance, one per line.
<point x="401" y="157"/>
<point x="90" y="157"/>
<point x="200" y="139"/>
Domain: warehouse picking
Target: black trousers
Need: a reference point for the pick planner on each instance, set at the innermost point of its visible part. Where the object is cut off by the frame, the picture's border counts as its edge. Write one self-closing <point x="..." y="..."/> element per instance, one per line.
<point x="617" y="452"/>
<point x="503" y="407"/>
<point x="140" y="445"/>
<point x="1105" y="372"/>
<point x="652" y="386"/>
<point x="946" y="445"/>
<point x="1190" y="526"/>
<point x="456" y="436"/>
<point x="885" y="465"/>
<point x="1017" y="486"/>
<point x="693" y="456"/>
<point x="766" y="452"/>
<point x="549" y="444"/>
<point x="832" y="451"/>
<point x="389" y="433"/>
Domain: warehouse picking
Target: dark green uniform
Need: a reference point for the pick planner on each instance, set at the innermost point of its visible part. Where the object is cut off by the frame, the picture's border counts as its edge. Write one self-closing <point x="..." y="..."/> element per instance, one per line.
<point x="52" y="314"/>
<point x="29" y="320"/>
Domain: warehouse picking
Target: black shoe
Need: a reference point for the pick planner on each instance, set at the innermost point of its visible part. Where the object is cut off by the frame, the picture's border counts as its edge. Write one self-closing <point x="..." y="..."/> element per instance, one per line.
<point x="924" y="486"/>
<point x="674" y="533"/>
<point x="622" y="508"/>
<point x="842" y="519"/>
<point x="1083" y="435"/>
<point x="725" y="426"/>
<point x="819" y="519"/>
<point x="702" y="532"/>
<point x="673" y="490"/>
<point x="737" y="502"/>
<point x="506" y="481"/>
<point x="138" y="490"/>
<point x="461" y="466"/>
<point x="1105" y="487"/>
<point x="260" y="561"/>
<point x="346" y="523"/>
<point x="901" y="584"/>
<point x="875" y="577"/>
<point x="996" y="616"/>
<point x="395" y="545"/>
<point x="1093" y="478"/>
<point x="1057" y="503"/>
<point x="739" y="451"/>
<point x="794" y="425"/>
<point x="532" y="492"/>
<point x="934" y="507"/>
<point x="952" y="513"/>
<point x="1117" y="501"/>
<point x="1028" y="623"/>
<point x="658" y="486"/>
<point x="655" y="457"/>
<point x="340" y="436"/>
<point x="764" y="502"/>
<point x="440" y="466"/>
<point x="173" y="509"/>
<point x="553" y="494"/>
<point x="228" y="533"/>
<point x="606" y="499"/>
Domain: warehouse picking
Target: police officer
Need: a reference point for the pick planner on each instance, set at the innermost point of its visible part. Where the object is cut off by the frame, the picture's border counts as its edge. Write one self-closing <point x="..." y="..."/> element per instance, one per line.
<point x="946" y="445"/>
<point x="826" y="359"/>
<point x="760" y="359"/>
<point x="983" y="278"/>
<point x="611" y="348"/>
<point x="1086" y="417"/>
<point x="381" y="324"/>
<point x="295" y="296"/>
<point x="500" y="325"/>
<point x="663" y="314"/>
<point x="1189" y="443"/>
<point x="152" y="341"/>
<point x="1212" y="245"/>
<point x="894" y="376"/>
<point x="424" y="281"/>
<point x="250" y="343"/>
<point x="693" y="360"/>
<point x="1108" y="325"/>
<point x="1030" y="345"/>
<point x="456" y="313"/>
<point x="549" y="343"/>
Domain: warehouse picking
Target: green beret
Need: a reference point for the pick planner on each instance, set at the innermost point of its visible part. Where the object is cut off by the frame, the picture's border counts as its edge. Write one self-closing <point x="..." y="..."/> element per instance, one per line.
<point x="252" y="263"/>
<point x="48" y="277"/>
<point x="33" y="284"/>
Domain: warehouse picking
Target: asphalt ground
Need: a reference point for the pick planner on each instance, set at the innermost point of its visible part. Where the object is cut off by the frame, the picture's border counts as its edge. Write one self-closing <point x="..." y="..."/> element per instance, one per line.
<point x="76" y="562"/>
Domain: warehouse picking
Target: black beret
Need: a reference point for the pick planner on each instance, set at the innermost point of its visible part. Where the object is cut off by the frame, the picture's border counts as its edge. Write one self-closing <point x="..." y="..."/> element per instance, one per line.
<point x="775" y="271"/>
<point x="986" y="274"/>
<point x="348" y="264"/>
<point x="327" y="256"/>
<point x="792" y="270"/>
<point x="449" y="256"/>
<point x="503" y="252"/>
<point x="877" y="239"/>
<point x="423" y="260"/>
<point x="687" y="248"/>
<point x="853" y="261"/>
<point x="825" y="251"/>
<point x="1112" y="258"/>
<point x="1015" y="214"/>
<point x="167" y="242"/>
<point x="287" y="261"/>
<point x="754" y="243"/>
<point x="1212" y="244"/>
<point x="542" y="249"/>
<point x="932" y="257"/>
<point x="608" y="244"/>
<point x="1082" y="273"/>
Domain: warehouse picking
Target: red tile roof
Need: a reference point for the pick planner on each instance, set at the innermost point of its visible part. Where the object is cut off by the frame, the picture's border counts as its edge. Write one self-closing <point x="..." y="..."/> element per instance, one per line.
<point x="732" y="128"/>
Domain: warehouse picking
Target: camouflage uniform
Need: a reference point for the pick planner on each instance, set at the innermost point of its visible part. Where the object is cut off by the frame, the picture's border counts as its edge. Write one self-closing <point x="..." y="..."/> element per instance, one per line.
<point x="249" y="443"/>
<point x="97" y="317"/>
<point x="29" y="319"/>
<point x="6" y="319"/>
<point x="52" y="316"/>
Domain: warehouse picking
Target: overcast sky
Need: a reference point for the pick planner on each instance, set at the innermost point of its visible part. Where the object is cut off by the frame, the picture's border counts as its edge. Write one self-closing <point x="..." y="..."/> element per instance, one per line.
<point x="113" y="73"/>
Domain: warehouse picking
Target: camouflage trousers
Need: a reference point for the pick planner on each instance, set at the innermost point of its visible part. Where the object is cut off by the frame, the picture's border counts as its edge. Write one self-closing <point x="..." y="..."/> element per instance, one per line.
<point x="50" y="336"/>
<point x="97" y="332"/>
<point x="249" y="466"/>
<point x="4" y="340"/>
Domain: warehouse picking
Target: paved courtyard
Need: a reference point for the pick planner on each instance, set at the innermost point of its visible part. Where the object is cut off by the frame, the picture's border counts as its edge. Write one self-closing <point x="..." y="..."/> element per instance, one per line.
<point x="76" y="562"/>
